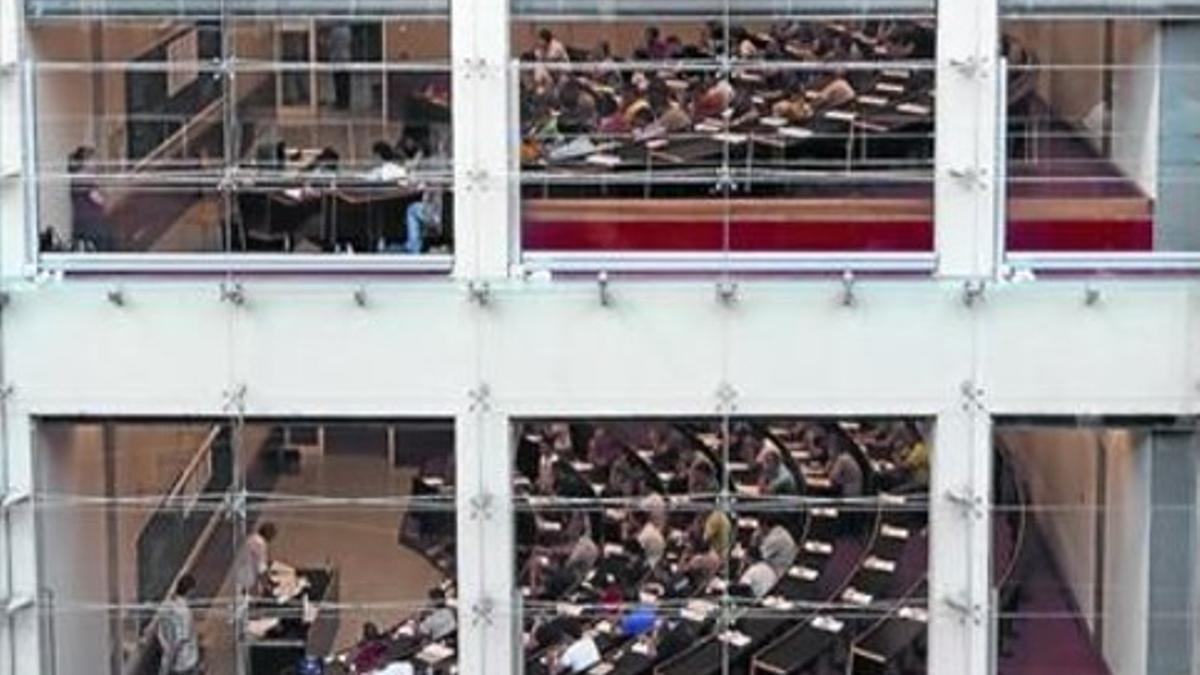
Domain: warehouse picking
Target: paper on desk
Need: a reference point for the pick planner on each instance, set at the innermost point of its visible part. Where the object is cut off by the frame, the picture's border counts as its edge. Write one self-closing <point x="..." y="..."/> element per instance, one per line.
<point x="913" y="109"/>
<point x="914" y="614"/>
<point x="435" y="652"/>
<point x="774" y="121"/>
<point x="879" y="565"/>
<point x="841" y="115"/>
<point x="803" y="573"/>
<point x="822" y="547"/>
<point x="825" y="512"/>
<point x="735" y="638"/>
<point x="796" y="132"/>
<point x="893" y="532"/>
<point x="857" y="597"/>
<point x="260" y="627"/>
<point x="640" y="647"/>
<point x="889" y="88"/>
<point x="827" y="624"/>
<point x="877" y="101"/>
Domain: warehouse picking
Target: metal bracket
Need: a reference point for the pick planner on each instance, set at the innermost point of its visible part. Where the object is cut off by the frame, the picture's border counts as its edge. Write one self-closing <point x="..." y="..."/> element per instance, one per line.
<point x="970" y="503"/>
<point x="233" y="293"/>
<point x="971" y="176"/>
<point x="476" y="178"/>
<point x="966" y="610"/>
<point x="727" y="397"/>
<point x="476" y="67"/>
<point x="605" y="293"/>
<point x="6" y="392"/>
<point x="727" y="293"/>
<point x="480" y="292"/>
<point x="482" y="506"/>
<point x="480" y="398"/>
<point x="1092" y="296"/>
<point x="5" y="299"/>
<point x="360" y="296"/>
<point x="971" y="66"/>
<point x="848" y="296"/>
<point x="482" y="612"/>
<point x="233" y="503"/>
<point x="972" y="397"/>
<point x="234" y="399"/>
<point x="973" y="292"/>
<point x="116" y="295"/>
<point x="13" y="605"/>
<point x="11" y="499"/>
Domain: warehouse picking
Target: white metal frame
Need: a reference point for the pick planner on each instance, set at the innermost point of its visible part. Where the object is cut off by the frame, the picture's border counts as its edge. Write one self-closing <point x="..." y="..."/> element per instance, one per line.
<point x="487" y="345"/>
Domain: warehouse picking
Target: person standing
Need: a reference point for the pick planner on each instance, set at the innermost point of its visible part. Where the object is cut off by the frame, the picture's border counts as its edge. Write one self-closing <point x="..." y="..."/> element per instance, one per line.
<point x="176" y="632"/>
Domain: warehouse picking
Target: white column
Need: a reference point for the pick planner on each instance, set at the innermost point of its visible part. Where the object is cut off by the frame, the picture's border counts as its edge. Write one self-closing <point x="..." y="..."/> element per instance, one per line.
<point x="487" y="621"/>
<point x="965" y="185"/>
<point x="960" y="542"/>
<point x="13" y="232"/>
<point x="479" y="37"/>
<point x="19" y="651"/>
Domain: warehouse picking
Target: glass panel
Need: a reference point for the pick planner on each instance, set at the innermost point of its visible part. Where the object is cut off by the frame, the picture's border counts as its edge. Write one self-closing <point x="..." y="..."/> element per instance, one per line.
<point x="808" y="552"/>
<point x="748" y="127"/>
<point x="210" y="124"/>
<point x="268" y="546"/>
<point x="1101" y="150"/>
<point x="1094" y="545"/>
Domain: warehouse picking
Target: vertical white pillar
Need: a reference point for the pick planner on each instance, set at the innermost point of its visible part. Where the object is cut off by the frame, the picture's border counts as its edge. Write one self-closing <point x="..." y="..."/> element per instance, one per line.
<point x="487" y="621"/>
<point x="960" y="542"/>
<point x="19" y="651"/>
<point x="14" y="237"/>
<point x="479" y="37"/>
<point x="965" y="186"/>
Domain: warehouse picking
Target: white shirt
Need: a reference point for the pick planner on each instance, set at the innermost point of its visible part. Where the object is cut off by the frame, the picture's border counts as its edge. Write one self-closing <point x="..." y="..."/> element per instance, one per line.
<point x="760" y="578"/>
<point x="652" y="543"/>
<point x="176" y="633"/>
<point x="581" y="655"/>
<point x="398" y="668"/>
<point x="439" y="624"/>
<point x="256" y="558"/>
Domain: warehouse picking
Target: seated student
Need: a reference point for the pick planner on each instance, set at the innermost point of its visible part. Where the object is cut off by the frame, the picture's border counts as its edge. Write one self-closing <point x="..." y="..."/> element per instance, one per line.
<point x="549" y="48"/>
<point x="914" y="463"/>
<point x="716" y="94"/>
<point x="717" y="532"/>
<point x="580" y="655"/>
<point x="668" y="113"/>
<point x="440" y="622"/>
<point x="758" y="576"/>
<point x="654" y="505"/>
<point x="777" y="546"/>
<point x="577" y="108"/>
<point x="649" y="539"/>
<point x="388" y="167"/>
<point x="773" y="477"/>
<point x="837" y="91"/>
<point x="368" y="654"/>
<point x="653" y="45"/>
<point x="795" y="109"/>
<point x="611" y="119"/>
<point x="702" y="476"/>
<point x="639" y="620"/>
<point x="603" y="449"/>
<point x="702" y="566"/>
<point x="845" y="473"/>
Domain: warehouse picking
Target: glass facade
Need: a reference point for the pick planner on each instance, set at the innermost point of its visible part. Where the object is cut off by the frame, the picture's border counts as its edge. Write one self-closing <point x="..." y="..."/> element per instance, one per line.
<point x="715" y="546"/>
<point x="743" y="128"/>
<point x="248" y="131"/>
<point x="240" y="546"/>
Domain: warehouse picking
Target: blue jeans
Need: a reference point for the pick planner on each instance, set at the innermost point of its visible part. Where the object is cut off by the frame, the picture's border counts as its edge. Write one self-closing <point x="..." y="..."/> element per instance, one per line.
<point x="415" y="226"/>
